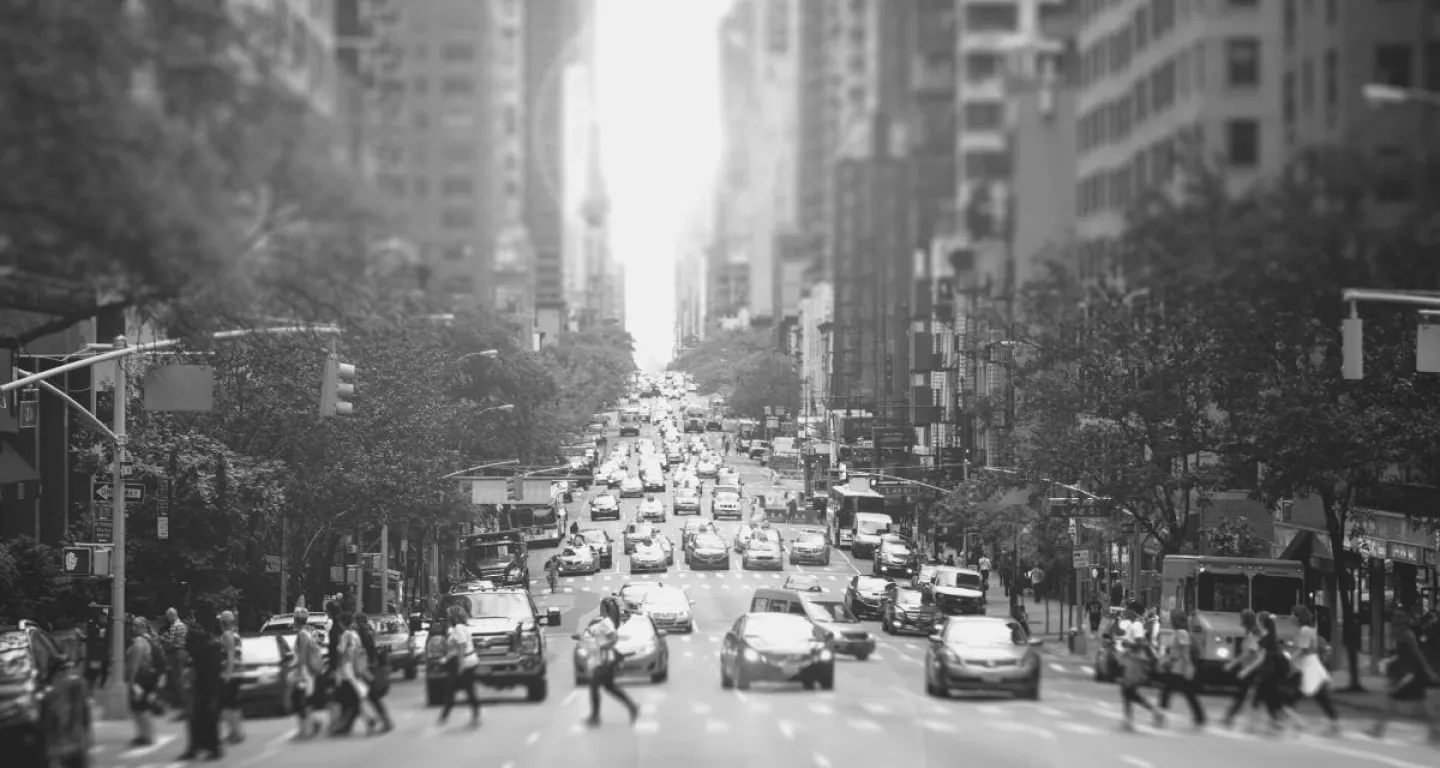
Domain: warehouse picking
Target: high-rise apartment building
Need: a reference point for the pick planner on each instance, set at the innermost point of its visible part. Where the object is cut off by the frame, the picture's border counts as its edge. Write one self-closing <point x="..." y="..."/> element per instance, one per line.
<point x="728" y="260"/>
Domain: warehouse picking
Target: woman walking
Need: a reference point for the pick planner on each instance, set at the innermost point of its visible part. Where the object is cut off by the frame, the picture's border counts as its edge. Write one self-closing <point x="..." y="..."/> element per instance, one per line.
<point x="1272" y="683"/>
<point x="1408" y="673"/>
<point x="1314" y="677"/>
<point x="230" y="713"/>
<point x="460" y="665"/>
<point x="142" y="680"/>
<point x="1136" y="657"/>
<point x="307" y="667"/>
<point x="352" y="670"/>
<point x="377" y="672"/>
<point x="602" y="659"/>
<point x="1178" y="664"/>
<point x="202" y="645"/>
<point x="1245" y="666"/>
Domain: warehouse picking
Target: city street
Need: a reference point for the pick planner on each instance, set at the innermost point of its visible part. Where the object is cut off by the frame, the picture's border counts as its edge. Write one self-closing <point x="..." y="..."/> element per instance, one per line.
<point x="877" y="714"/>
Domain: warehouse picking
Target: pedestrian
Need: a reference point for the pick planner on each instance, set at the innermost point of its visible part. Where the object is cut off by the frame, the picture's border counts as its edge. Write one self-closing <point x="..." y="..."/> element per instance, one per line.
<point x="602" y="659"/>
<point x="97" y="652"/>
<point x="1036" y="576"/>
<point x="142" y="681"/>
<point x="1094" y="611"/>
<point x="202" y="645"/>
<point x="1272" y="686"/>
<point x="305" y="668"/>
<point x="230" y="714"/>
<point x="377" y="671"/>
<point x="1245" y="666"/>
<point x="172" y="639"/>
<point x="1178" y="668"/>
<point x="353" y="671"/>
<point x="460" y="663"/>
<point x="1309" y="662"/>
<point x="340" y="701"/>
<point x="1136" y="659"/>
<point x="1408" y="673"/>
<point x="1017" y="612"/>
<point x="984" y="572"/>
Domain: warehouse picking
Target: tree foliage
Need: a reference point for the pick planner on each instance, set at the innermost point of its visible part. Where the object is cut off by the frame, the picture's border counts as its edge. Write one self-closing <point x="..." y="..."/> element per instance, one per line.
<point x="715" y="362"/>
<point x="1235" y="538"/>
<point x="765" y="380"/>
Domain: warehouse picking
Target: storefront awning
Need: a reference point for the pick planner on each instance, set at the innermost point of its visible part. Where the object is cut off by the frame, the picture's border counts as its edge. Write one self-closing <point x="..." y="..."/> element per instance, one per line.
<point x="13" y="467"/>
<point x="1313" y="549"/>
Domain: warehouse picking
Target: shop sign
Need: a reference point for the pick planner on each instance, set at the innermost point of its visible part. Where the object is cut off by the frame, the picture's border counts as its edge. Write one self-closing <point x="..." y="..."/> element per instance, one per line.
<point x="1370" y="546"/>
<point x="1406" y="553"/>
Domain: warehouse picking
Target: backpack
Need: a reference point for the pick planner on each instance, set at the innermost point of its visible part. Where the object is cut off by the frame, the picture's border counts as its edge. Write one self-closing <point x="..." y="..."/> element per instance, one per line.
<point x="159" y="662"/>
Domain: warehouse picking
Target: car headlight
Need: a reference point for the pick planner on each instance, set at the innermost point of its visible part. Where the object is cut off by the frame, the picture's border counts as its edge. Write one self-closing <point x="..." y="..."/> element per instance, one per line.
<point x="825" y="655"/>
<point x="751" y="655"/>
<point x="530" y="644"/>
<point x="948" y="656"/>
<point x="1222" y="653"/>
<point x="644" y="650"/>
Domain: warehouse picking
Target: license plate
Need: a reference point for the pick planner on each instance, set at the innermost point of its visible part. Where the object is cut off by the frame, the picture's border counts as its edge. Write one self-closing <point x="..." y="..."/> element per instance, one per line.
<point x="790" y="669"/>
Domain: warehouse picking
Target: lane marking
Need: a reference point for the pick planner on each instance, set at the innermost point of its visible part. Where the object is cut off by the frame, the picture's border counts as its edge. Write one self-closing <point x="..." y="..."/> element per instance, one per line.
<point x="1014" y="727"/>
<point x="991" y="710"/>
<point x="569" y="697"/>
<point x="1049" y="711"/>
<point x="1080" y="728"/>
<point x="287" y="736"/>
<point x="869" y="726"/>
<point x="1136" y="762"/>
<point x="822" y="709"/>
<point x="875" y="709"/>
<point x="1088" y="670"/>
<point x="135" y="752"/>
<point x="532" y="738"/>
<point x="716" y="726"/>
<point x="647" y="727"/>
<point x="787" y="729"/>
<point x="1057" y="667"/>
<point x="938" y="726"/>
<point x="700" y="708"/>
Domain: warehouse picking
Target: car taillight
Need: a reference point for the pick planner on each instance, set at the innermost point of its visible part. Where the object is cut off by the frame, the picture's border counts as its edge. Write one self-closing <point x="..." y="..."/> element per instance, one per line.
<point x="530" y="644"/>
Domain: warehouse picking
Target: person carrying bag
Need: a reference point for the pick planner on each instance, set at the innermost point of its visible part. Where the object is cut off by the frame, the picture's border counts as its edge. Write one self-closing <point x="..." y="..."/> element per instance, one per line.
<point x="602" y="659"/>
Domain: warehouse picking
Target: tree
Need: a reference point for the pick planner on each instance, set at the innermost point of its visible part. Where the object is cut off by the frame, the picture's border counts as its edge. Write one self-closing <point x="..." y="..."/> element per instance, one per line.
<point x="715" y="362"/>
<point x="1235" y="538"/>
<point x="765" y="380"/>
<point x="1115" y="399"/>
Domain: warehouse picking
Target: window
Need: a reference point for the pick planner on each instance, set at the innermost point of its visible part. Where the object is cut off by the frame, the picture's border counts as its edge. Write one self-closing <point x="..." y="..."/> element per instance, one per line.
<point x="1162" y="18"/>
<point x="1141" y="100"/>
<point x="1332" y="11"/>
<point x="509" y="121"/>
<point x="1392" y="175"/>
<point x="1307" y="85"/>
<point x="392" y="185"/>
<point x="1242" y="62"/>
<point x="981" y="66"/>
<point x="1392" y="65"/>
<point x="984" y="116"/>
<point x="457" y="52"/>
<point x="422" y="86"/>
<point x="992" y="17"/>
<point x="987" y="165"/>
<point x="421" y="120"/>
<point x="457" y="218"/>
<point x="1432" y="67"/>
<point x="421" y="185"/>
<point x="1244" y="3"/>
<point x="1332" y="79"/>
<point x="1140" y="28"/>
<point x="1288" y="98"/>
<point x="457" y="86"/>
<point x="457" y="186"/>
<point x="458" y="153"/>
<point x="458" y="120"/>
<point x="1243" y="143"/>
<point x="1289" y="23"/>
<point x="1198" y="57"/>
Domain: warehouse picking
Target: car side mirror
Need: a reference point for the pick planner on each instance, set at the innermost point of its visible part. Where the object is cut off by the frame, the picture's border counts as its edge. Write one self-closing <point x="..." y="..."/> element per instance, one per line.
<point x="552" y="617"/>
<point x="661" y="633"/>
<point x="937" y="638"/>
<point x="575" y="636"/>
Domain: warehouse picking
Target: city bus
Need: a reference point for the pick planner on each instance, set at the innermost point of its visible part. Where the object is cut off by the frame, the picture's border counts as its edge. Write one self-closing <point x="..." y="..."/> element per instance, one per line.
<point x="1216" y="589"/>
<point x="852" y="510"/>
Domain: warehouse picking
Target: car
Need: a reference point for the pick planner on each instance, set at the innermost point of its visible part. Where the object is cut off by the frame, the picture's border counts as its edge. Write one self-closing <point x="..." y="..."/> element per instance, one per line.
<point x="605" y="505"/>
<point x="865" y="595"/>
<point x="762" y="552"/>
<point x="981" y="653"/>
<point x="810" y="547"/>
<point x="714" y="426"/>
<point x="617" y="476"/>
<point x="670" y="609"/>
<point x="45" y="713"/>
<point x="510" y="644"/>
<point x="632" y="593"/>
<point x="651" y="510"/>
<point x="667" y="546"/>
<point x="578" y="560"/>
<point x="727" y="476"/>
<point x="636" y="531"/>
<point x="648" y="557"/>
<point x="687" y="500"/>
<point x="803" y="582"/>
<point x="631" y="486"/>
<point x="708" y="551"/>
<point x="775" y="647"/>
<point x="653" y="479"/>
<point x="957" y="591"/>
<point x="725" y="504"/>
<point x="694" y="426"/>
<point x="924" y="577"/>
<point x="643" y="650"/>
<point x="264" y="674"/>
<point x="600" y="544"/>
<point x="393" y="634"/>
<point x="893" y="558"/>
<point x="707" y="467"/>
<point x="841" y="628"/>
<point x="630" y="429"/>
<point x="910" y="610"/>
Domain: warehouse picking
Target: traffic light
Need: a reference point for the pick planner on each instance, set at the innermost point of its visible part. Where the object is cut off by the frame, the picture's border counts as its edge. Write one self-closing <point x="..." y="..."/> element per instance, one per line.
<point x="1352" y="348"/>
<point x="337" y="389"/>
<point x="76" y="561"/>
<point x="512" y="488"/>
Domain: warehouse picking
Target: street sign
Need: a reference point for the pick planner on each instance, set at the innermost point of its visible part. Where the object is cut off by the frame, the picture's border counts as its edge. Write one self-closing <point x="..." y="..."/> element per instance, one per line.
<point x="272" y="563"/>
<point x="1080" y="558"/>
<point x="886" y="438"/>
<point x="1085" y="509"/>
<point x="104" y="531"/>
<point x="162" y="527"/>
<point x="105" y="475"/>
<point x="133" y="492"/>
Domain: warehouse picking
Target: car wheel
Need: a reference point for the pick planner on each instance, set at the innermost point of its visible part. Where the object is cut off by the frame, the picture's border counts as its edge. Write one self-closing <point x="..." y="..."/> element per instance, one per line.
<point x="412" y="671"/>
<point x="861" y="656"/>
<point x="434" y="692"/>
<point x="1030" y="694"/>
<point x="537" y="691"/>
<point x="661" y="676"/>
<point x="740" y="682"/>
<point x="827" y="679"/>
<point x="934" y="690"/>
<point x="725" y="680"/>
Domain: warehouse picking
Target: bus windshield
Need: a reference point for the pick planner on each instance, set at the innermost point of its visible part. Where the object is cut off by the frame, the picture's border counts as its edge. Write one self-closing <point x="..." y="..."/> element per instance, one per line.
<point x="1234" y="592"/>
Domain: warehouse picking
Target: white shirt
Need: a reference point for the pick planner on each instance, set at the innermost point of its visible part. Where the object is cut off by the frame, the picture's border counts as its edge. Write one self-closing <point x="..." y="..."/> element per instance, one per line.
<point x="984" y="563"/>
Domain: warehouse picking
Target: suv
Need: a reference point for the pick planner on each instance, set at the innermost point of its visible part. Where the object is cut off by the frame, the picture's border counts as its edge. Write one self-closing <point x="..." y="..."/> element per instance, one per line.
<point x="509" y="638"/>
<point x="392" y="633"/>
<point x="43" y="709"/>
<point x="635" y="532"/>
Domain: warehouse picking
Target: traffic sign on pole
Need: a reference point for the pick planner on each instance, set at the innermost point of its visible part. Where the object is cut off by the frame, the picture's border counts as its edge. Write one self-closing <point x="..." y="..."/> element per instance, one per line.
<point x="1080" y="558"/>
<point x="133" y="492"/>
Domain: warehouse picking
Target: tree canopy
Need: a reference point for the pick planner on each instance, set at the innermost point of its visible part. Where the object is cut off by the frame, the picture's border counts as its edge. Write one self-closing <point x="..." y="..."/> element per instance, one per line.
<point x="746" y="367"/>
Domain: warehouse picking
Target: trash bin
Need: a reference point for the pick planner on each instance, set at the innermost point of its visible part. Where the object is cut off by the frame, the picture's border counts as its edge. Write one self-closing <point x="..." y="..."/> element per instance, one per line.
<point x="1078" y="642"/>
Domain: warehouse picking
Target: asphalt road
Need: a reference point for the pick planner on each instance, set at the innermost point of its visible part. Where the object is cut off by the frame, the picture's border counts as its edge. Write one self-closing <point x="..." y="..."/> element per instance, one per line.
<point x="878" y="713"/>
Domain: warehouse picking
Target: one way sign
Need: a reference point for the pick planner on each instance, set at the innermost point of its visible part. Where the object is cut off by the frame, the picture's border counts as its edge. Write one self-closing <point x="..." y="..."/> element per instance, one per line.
<point x="133" y="492"/>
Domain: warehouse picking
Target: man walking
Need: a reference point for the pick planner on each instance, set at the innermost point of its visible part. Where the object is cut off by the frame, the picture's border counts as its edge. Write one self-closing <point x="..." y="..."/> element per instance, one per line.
<point x="984" y="572"/>
<point x="172" y="640"/>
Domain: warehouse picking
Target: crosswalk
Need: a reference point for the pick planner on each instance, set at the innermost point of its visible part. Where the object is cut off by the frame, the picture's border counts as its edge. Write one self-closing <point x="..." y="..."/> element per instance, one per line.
<point x="571" y="584"/>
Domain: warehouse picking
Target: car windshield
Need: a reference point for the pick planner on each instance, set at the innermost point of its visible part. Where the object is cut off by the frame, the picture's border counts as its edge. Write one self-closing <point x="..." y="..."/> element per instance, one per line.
<point x="947" y="577"/>
<point x="896" y="550"/>
<point x="709" y="541"/>
<point x="572" y="552"/>
<point x="491" y="605"/>
<point x="984" y="633"/>
<point x="908" y="598"/>
<point x="871" y="527"/>
<point x="778" y="627"/>
<point x="829" y="610"/>
<point x="759" y="544"/>
<point x="287" y="626"/>
<point x="637" y="592"/>
<point x="604" y="499"/>
<point x="686" y="493"/>
<point x="391" y="625"/>
<point x="666" y="598"/>
<point x="637" y="629"/>
<point x="813" y="539"/>
<point x="259" y="650"/>
<point x="642" y="531"/>
<point x="870" y="584"/>
<point x="15" y="659"/>
<point x="726" y="497"/>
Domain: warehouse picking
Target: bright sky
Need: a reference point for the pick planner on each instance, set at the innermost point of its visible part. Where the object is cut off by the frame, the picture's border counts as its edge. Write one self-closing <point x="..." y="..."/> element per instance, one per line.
<point x="659" y="116"/>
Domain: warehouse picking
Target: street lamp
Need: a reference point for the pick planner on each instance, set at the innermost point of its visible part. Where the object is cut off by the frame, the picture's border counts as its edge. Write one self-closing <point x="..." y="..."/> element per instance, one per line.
<point x="1378" y="94"/>
<point x="503" y="408"/>
<point x="488" y="354"/>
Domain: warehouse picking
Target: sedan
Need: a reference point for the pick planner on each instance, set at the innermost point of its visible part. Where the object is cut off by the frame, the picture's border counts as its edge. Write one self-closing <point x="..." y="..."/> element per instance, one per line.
<point x="632" y="594"/>
<point x="651" y="510"/>
<point x="893" y="558"/>
<point x="840" y="628"/>
<point x="865" y="596"/>
<point x="775" y="647"/>
<point x="630" y="429"/>
<point x="578" y="561"/>
<point x="803" y="582"/>
<point x="648" y="557"/>
<point x="810" y="548"/>
<point x="669" y="608"/>
<point x="762" y="552"/>
<point x="653" y="480"/>
<point x="687" y="500"/>
<point x="631" y="487"/>
<point x="706" y="468"/>
<point x="978" y="653"/>
<point x="605" y="505"/>
<point x="600" y="544"/>
<point x="264" y="665"/>
<point x="708" y="550"/>
<point x="642" y="647"/>
<point x="910" y="610"/>
<point x="637" y="532"/>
